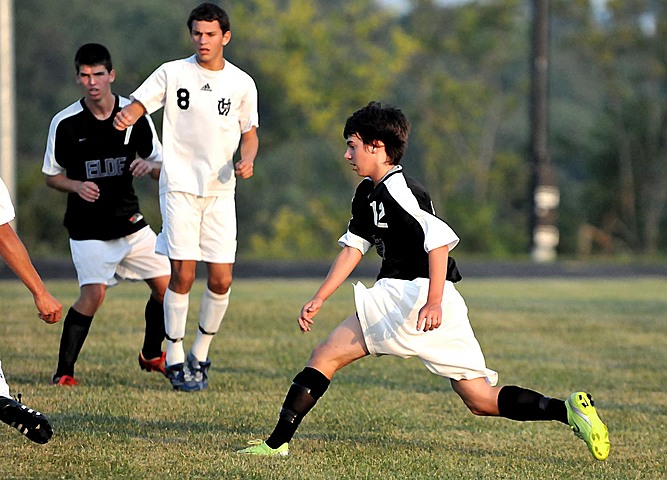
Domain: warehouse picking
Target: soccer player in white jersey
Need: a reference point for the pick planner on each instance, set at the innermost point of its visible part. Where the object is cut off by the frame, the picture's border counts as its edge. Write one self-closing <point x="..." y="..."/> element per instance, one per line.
<point x="95" y="165"/>
<point x="209" y="106"/>
<point x="414" y="308"/>
<point x="29" y="422"/>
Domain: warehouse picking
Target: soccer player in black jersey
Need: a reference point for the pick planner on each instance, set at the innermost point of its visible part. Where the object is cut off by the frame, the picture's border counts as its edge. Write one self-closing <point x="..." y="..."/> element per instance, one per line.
<point x="414" y="308"/>
<point x="95" y="164"/>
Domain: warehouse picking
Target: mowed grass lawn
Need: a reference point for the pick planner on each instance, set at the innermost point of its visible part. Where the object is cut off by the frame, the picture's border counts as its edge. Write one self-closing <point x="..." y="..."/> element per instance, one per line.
<point x="382" y="418"/>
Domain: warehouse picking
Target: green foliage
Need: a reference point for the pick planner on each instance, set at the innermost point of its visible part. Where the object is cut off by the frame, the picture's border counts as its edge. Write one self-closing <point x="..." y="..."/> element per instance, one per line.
<point x="461" y="74"/>
<point x="623" y="141"/>
<point x="299" y="235"/>
<point x="381" y="418"/>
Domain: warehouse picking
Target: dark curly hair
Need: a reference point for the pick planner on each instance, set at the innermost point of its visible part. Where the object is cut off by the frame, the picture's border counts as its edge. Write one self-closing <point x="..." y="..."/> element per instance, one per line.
<point x="375" y="123"/>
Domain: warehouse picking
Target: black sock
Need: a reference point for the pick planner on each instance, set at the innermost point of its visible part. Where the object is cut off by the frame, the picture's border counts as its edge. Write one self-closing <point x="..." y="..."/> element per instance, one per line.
<point x="154" y="333"/>
<point x="518" y="403"/>
<point x="307" y="388"/>
<point x="75" y="331"/>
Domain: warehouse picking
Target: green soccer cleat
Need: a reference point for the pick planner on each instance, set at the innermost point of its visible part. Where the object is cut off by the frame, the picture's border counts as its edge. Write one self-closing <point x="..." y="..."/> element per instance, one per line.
<point x="586" y="424"/>
<point x="259" y="447"/>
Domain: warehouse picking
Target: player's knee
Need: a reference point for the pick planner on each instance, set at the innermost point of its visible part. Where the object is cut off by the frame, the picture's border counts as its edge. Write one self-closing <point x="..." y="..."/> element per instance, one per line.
<point x="158" y="286"/>
<point x="318" y="352"/>
<point x="89" y="301"/>
<point x="479" y="407"/>
<point x="181" y="282"/>
<point x="322" y="359"/>
<point x="220" y="284"/>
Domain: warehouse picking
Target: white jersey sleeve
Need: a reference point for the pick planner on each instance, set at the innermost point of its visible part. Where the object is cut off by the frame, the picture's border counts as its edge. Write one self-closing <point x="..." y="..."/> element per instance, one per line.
<point x="51" y="166"/>
<point x="7" y="213"/>
<point x="153" y="91"/>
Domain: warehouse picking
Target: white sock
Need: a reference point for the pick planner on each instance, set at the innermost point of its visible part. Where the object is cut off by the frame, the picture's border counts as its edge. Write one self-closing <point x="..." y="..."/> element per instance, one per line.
<point x="4" y="388"/>
<point x="211" y="312"/>
<point x="175" y="317"/>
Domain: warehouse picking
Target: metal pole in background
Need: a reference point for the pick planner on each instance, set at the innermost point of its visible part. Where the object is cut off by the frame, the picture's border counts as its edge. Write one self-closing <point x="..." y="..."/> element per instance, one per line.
<point x="545" y="195"/>
<point x="7" y="111"/>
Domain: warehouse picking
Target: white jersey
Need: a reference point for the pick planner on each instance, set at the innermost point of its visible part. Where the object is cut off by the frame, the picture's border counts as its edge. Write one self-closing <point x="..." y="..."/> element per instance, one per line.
<point x="7" y="213"/>
<point x="205" y="114"/>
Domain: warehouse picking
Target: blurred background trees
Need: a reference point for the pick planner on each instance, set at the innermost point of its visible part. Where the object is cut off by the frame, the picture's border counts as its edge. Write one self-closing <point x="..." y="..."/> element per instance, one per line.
<point x="461" y="74"/>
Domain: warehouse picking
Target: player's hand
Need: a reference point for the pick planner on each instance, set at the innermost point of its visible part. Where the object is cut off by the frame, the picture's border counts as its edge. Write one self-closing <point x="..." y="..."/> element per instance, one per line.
<point x="50" y="309"/>
<point x="244" y="168"/>
<point x="430" y="317"/>
<point x="126" y="117"/>
<point x="308" y="311"/>
<point x="140" y="167"/>
<point x="89" y="191"/>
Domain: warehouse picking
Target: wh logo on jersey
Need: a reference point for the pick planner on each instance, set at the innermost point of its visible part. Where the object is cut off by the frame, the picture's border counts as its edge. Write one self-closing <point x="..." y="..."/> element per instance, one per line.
<point x="378" y="214"/>
<point x="206" y="88"/>
<point x="109" y="167"/>
<point x="224" y="106"/>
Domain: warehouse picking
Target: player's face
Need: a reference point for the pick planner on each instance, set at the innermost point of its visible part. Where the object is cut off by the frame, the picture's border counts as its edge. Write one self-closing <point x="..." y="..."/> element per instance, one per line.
<point x="366" y="160"/>
<point x="209" y="41"/>
<point x="96" y="81"/>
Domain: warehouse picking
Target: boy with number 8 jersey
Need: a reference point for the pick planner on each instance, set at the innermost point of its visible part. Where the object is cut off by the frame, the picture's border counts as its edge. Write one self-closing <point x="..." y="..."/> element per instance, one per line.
<point x="209" y="106"/>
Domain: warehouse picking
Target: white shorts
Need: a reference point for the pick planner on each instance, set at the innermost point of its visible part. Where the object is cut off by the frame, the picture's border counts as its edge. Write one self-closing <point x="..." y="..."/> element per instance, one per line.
<point x="388" y="316"/>
<point x="4" y="388"/>
<point x="197" y="228"/>
<point x="129" y="258"/>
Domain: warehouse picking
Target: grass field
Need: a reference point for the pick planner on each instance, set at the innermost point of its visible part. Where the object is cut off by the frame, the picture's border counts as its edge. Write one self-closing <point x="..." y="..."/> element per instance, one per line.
<point x="382" y="418"/>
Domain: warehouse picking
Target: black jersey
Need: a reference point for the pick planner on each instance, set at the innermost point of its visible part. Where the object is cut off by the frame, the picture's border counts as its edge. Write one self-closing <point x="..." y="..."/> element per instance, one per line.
<point x="398" y="218"/>
<point x="89" y="149"/>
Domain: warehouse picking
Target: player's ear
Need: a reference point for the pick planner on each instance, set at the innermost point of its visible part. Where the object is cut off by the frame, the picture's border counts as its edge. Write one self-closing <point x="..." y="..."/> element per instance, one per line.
<point x="112" y="75"/>
<point x="226" y="37"/>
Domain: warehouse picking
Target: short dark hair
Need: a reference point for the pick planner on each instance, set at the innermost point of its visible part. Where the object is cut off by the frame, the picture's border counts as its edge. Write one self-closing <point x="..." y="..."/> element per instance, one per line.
<point x="92" y="54"/>
<point x="375" y="123"/>
<point x="209" y="12"/>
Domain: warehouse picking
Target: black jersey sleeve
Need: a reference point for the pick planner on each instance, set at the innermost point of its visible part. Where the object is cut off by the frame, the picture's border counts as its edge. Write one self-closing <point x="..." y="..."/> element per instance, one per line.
<point x="64" y="147"/>
<point x="361" y="222"/>
<point x="142" y="138"/>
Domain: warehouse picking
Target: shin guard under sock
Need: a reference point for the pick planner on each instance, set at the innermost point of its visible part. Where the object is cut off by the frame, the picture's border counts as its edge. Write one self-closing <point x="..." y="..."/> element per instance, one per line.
<point x="175" y="316"/>
<point x="154" y="332"/>
<point x="520" y="404"/>
<point x="75" y="330"/>
<point x="307" y="388"/>
<point x="211" y="312"/>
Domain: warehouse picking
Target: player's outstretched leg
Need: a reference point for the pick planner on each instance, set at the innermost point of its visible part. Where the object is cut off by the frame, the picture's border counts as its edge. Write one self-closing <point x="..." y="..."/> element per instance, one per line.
<point x="585" y="423"/>
<point x="307" y="388"/>
<point x="29" y="422"/>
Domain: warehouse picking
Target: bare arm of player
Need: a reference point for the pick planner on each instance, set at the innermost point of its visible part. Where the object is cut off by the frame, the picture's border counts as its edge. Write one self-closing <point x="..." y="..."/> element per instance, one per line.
<point x="14" y="253"/>
<point x="129" y="115"/>
<point x="430" y="315"/>
<point x="89" y="191"/>
<point x="249" y="146"/>
<point x="342" y="267"/>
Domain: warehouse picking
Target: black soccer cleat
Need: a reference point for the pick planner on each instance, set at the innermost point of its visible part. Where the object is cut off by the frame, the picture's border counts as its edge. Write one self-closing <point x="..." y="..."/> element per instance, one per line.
<point x="29" y="422"/>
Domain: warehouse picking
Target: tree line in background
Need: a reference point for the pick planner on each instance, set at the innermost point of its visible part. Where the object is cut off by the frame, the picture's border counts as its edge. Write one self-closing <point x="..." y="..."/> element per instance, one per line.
<point x="460" y="73"/>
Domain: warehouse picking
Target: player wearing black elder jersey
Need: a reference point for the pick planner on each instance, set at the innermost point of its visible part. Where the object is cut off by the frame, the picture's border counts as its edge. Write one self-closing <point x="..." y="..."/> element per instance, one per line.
<point x="414" y="308"/>
<point x="95" y="164"/>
